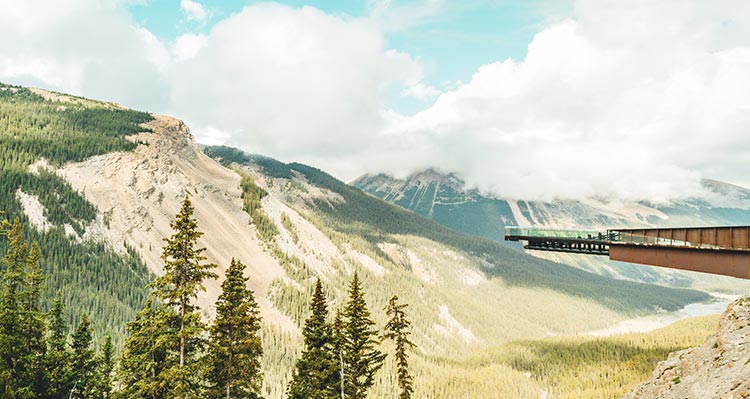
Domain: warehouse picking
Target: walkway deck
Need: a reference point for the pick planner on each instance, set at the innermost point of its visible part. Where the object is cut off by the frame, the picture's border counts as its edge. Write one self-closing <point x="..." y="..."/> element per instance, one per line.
<point x="723" y="250"/>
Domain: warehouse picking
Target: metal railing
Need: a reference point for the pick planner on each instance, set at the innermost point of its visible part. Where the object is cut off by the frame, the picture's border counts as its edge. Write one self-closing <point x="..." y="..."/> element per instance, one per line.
<point x="544" y="232"/>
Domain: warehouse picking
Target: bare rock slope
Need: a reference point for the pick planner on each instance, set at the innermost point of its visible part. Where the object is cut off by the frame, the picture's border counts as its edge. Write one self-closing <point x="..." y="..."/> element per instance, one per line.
<point x="720" y="368"/>
<point x="139" y="192"/>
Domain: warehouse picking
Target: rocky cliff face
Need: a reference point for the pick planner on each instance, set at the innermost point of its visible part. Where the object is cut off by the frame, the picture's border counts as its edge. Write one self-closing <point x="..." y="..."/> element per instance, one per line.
<point x="138" y="193"/>
<point x="720" y="368"/>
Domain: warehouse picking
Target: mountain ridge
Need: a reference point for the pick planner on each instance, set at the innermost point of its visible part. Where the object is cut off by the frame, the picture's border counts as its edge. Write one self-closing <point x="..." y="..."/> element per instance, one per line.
<point x="727" y="204"/>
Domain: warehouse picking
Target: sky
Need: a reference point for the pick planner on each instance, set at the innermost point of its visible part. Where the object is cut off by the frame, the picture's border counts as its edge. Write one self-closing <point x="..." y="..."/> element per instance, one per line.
<point x="545" y="99"/>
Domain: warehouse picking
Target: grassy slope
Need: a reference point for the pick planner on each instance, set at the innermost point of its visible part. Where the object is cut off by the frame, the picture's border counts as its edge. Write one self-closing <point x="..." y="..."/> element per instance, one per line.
<point x="566" y="367"/>
<point x="92" y="279"/>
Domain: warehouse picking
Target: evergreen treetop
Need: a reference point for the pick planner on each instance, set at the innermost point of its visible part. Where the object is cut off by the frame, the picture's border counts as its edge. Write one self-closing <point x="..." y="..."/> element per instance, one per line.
<point x="316" y="372"/>
<point x="83" y="363"/>
<point x="362" y="359"/>
<point x="397" y="330"/>
<point x="57" y="358"/>
<point x="235" y="347"/>
<point x="184" y="273"/>
<point x="145" y="355"/>
<point x="184" y="267"/>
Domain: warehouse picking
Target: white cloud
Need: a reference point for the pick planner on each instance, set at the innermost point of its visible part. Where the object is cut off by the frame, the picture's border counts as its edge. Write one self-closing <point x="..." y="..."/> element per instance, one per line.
<point x="83" y="47"/>
<point x="193" y="10"/>
<point x="188" y="45"/>
<point x="295" y="83"/>
<point x="420" y="91"/>
<point x="636" y="100"/>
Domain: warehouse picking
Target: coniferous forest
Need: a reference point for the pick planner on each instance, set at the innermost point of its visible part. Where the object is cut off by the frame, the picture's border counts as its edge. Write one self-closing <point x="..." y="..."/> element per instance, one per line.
<point x="91" y="278"/>
<point x="170" y="350"/>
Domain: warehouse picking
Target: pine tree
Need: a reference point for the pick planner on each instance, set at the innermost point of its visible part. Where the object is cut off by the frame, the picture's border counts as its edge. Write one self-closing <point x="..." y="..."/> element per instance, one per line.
<point x="361" y="357"/>
<point x="105" y="365"/>
<point x="184" y="273"/>
<point x="16" y="373"/>
<point x="397" y="330"/>
<point x="316" y="374"/>
<point x="83" y="363"/>
<point x="57" y="356"/>
<point x="32" y="319"/>
<point x="235" y="348"/>
<point x="145" y="356"/>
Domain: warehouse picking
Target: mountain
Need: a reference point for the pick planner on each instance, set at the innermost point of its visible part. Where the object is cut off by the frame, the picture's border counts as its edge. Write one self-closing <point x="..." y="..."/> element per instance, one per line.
<point x="97" y="186"/>
<point x="720" y="368"/>
<point x="446" y="199"/>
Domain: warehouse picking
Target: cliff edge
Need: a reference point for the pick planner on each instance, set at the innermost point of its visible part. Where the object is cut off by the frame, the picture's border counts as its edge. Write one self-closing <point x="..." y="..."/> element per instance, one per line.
<point x="720" y="368"/>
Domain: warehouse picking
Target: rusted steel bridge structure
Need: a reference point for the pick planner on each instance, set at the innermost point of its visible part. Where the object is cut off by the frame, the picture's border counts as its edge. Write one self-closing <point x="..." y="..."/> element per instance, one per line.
<point x="717" y="250"/>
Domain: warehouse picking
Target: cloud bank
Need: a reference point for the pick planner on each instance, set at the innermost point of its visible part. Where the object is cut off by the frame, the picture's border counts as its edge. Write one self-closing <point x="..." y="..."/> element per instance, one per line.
<point x="635" y="100"/>
<point x="84" y="47"/>
<point x="629" y="99"/>
<point x="292" y="82"/>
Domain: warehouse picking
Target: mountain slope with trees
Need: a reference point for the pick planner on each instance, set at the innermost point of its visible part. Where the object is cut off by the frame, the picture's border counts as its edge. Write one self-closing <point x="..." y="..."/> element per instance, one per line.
<point x="102" y="215"/>
<point x="91" y="278"/>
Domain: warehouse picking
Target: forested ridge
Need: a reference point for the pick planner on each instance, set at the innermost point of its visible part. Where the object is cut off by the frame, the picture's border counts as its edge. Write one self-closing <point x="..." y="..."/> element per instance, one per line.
<point x="170" y="351"/>
<point x="91" y="278"/>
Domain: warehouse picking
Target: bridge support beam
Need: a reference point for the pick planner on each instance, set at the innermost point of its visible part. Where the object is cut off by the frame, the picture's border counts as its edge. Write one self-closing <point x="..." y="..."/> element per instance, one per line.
<point x="714" y="261"/>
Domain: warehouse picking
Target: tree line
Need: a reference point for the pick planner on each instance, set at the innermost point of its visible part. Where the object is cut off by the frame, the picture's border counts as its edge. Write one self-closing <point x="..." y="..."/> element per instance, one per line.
<point x="170" y="351"/>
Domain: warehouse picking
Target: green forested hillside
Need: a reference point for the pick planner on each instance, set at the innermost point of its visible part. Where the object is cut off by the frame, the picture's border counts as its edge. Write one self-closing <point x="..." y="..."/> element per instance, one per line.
<point x="517" y="297"/>
<point x="374" y="220"/>
<point x="92" y="279"/>
<point x="361" y="214"/>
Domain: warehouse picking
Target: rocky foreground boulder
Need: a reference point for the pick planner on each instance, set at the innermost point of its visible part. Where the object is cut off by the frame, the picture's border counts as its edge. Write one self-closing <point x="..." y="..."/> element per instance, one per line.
<point x="720" y="368"/>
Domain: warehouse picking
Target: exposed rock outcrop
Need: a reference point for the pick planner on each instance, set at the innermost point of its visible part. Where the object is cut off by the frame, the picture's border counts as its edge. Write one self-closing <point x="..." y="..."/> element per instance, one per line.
<point x="720" y="368"/>
<point x="139" y="192"/>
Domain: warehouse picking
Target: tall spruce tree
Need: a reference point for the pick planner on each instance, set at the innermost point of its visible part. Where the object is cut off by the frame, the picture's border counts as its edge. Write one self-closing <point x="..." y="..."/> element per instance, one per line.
<point x="316" y="373"/>
<point x="83" y="362"/>
<point x="22" y="343"/>
<point x="57" y="357"/>
<point x="361" y="357"/>
<point x="235" y="348"/>
<point x="12" y="366"/>
<point x="105" y="365"/>
<point x="397" y="330"/>
<point x="184" y="273"/>
<point x="145" y="356"/>
<point x="32" y="320"/>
